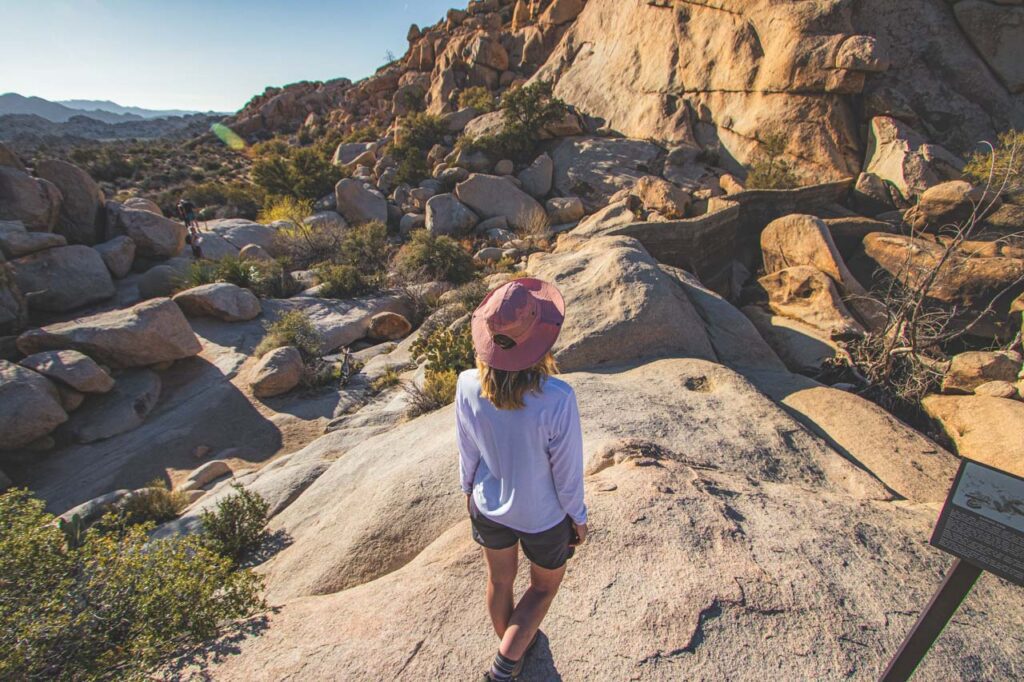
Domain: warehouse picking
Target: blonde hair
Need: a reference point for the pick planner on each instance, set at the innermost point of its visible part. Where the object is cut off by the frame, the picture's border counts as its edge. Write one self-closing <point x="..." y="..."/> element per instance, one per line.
<point x="507" y="389"/>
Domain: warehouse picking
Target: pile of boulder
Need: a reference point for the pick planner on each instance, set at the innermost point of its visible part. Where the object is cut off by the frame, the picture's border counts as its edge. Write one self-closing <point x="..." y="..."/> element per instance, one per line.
<point x="91" y="378"/>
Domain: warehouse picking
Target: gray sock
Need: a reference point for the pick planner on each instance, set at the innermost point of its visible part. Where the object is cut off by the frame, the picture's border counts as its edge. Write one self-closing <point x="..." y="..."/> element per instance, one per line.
<point x="502" y="667"/>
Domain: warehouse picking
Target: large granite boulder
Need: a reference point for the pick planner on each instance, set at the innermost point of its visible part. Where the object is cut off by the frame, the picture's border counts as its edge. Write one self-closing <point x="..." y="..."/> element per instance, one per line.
<point x="82" y="218"/>
<point x="985" y="429"/>
<point x="808" y="295"/>
<point x="124" y="408"/>
<point x="63" y="278"/>
<point x="18" y="243"/>
<point x="29" y="406"/>
<point x="221" y="300"/>
<point x="33" y="201"/>
<point x="619" y="306"/>
<point x="146" y="334"/>
<point x="71" y="368"/>
<point x="277" y="372"/>
<point x="537" y="178"/>
<point x="595" y="168"/>
<point x="13" y="307"/>
<point x="154" y="235"/>
<point x="9" y="158"/>
<point x="143" y="204"/>
<point x="947" y="205"/>
<point x="359" y="204"/>
<point x="904" y="159"/>
<point x="997" y="31"/>
<point x="967" y="371"/>
<point x="448" y="216"/>
<point x="970" y="282"/>
<point x="118" y="254"/>
<point x="491" y="196"/>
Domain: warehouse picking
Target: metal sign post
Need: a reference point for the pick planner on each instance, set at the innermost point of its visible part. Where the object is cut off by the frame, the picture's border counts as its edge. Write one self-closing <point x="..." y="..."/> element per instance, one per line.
<point x="982" y="524"/>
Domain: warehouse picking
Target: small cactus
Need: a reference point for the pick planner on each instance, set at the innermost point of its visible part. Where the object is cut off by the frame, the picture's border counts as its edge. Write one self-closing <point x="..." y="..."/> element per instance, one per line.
<point x="74" y="531"/>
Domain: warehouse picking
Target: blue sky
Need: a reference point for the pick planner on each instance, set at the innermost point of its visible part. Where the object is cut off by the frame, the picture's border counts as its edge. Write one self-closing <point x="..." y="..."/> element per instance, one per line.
<point x="196" y="54"/>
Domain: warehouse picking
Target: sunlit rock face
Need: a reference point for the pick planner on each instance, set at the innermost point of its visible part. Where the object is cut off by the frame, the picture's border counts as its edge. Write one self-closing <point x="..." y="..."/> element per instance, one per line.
<point x="732" y="71"/>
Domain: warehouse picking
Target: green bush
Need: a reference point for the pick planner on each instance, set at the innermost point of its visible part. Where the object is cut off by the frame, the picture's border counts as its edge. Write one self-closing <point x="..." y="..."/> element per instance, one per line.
<point x="479" y="98"/>
<point x="341" y="281"/>
<point x="240" y="199"/>
<point x="298" y="172"/>
<point x="769" y="168"/>
<point x="389" y="378"/>
<point x="285" y="208"/>
<point x="426" y="257"/>
<point x="293" y="328"/>
<point x="527" y="110"/>
<point x="115" y="607"/>
<point x="366" y="247"/>
<point x="237" y="526"/>
<point x="450" y="351"/>
<point x="104" y="163"/>
<point x="267" y="279"/>
<point x="438" y="390"/>
<point x="154" y="503"/>
<point x="417" y="134"/>
<point x="1002" y="164"/>
<point x="304" y="245"/>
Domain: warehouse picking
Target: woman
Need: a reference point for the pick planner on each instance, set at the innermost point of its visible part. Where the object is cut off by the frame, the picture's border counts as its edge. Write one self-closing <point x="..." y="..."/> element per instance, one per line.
<point x="520" y="459"/>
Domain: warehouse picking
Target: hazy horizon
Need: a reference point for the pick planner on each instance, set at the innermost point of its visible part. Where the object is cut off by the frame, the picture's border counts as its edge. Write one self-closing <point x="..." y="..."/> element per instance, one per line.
<point x="197" y="56"/>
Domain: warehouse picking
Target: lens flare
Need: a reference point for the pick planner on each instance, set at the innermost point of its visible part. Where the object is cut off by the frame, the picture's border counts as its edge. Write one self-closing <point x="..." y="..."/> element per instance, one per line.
<point x="228" y="136"/>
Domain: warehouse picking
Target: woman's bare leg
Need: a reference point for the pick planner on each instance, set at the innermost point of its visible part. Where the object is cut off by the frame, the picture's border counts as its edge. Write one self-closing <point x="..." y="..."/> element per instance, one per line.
<point x="530" y="611"/>
<point x="501" y="576"/>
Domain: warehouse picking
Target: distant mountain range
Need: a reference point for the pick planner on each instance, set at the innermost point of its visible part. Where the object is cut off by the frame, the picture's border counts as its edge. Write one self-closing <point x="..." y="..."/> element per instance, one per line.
<point x="61" y="112"/>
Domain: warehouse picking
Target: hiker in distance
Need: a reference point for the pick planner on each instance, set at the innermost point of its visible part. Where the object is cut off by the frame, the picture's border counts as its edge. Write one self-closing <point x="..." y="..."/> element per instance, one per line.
<point x="520" y="460"/>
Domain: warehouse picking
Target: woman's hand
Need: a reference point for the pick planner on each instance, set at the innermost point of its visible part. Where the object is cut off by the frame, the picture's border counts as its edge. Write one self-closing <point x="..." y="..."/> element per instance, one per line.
<point x="581" y="533"/>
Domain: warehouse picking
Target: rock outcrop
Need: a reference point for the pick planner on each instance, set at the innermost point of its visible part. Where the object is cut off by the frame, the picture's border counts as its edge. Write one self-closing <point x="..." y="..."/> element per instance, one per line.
<point x="222" y="300"/>
<point x="63" y="278"/>
<point x="621" y="306"/>
<point x="82" y="219"/>
<point x="146" y="334"/>
<point x="72" y="368"/>
<point x="986" y="429"/>
<point x="29" y="406"/>
<point x="277" y="372"/>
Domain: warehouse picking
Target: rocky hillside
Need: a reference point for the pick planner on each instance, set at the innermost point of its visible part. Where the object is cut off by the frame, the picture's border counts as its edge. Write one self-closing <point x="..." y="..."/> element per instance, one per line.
<point x="747" y="359"/>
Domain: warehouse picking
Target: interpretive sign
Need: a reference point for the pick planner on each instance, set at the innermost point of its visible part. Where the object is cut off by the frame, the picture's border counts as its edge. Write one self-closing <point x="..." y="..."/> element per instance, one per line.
<point x="982" y="524"/>
<point x="983" y="521"/>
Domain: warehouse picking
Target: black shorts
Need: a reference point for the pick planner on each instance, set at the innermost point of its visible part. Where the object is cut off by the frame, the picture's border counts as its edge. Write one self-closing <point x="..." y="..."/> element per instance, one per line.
<point x="548" y="549"/>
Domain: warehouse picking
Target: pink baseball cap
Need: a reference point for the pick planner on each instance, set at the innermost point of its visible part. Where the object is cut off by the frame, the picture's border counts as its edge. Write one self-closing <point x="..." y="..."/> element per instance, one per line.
<point x="517" y="324"/>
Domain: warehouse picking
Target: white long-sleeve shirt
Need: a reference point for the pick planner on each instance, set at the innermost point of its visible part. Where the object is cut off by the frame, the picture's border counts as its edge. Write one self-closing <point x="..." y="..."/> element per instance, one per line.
<point x="524" y="467"/>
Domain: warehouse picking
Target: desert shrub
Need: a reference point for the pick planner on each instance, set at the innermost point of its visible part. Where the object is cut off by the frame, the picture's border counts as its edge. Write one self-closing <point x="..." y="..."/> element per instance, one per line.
<point x="429" y="257"/>
<point x="437" y="391"/>
<point x="237" y="198"/>
<point x="154" y="503"/>
<point x="285" y="208"/>
<point x="470" y="295"/>
<point x="298" y="172"/>
<point x="237" y="526"/>
<point x="478" y="97"/>
<point x="389" y="378"/>
<point x="449" y="350"/>
<point x="104" y="163"/>
<point x="341" y="281"/>
<point x="417" y="134"/>
<point x="304" y="245"/>
<point x="769" y="168"/>
<point x="366" y="247"/>
<point x="526" y="111"/>
<point x="293" y="328"/>
<point x="267" y="279"/>
<point x="114" y="607"/>
<point x="1000" y="166"/>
